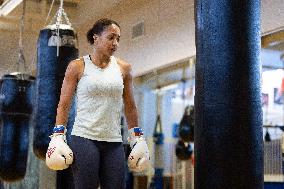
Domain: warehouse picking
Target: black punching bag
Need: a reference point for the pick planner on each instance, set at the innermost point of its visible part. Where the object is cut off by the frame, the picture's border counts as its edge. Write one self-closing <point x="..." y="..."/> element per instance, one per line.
<point x="16" y="109"/>
<point x="186" y="126"/>
<point x="50" y="74"/>
<point x="183" y="150"/>
<point x="228" y="141"/>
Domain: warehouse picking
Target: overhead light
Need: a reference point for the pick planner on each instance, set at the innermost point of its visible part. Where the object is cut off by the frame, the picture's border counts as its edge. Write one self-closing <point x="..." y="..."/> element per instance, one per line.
<point x="8" y="6"/>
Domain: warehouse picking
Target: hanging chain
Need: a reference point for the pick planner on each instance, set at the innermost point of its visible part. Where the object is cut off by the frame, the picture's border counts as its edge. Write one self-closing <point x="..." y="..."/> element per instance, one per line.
<point x="183" y="80"/>
<point x="59" y="16"/>
<point x="66" y="18"/>
<point x="58" y="23"/>
<point x="158" y="92"/>
<point x="158" y="127"/>
<point x="21" y="64"/>
<point x="48" y="14"/>
<point x="33" y="65"/>
<point x="57" y="19"/>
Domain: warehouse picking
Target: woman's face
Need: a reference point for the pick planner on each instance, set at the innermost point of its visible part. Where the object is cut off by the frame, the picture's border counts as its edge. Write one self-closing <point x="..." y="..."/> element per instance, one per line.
<point x="108" y="41"/>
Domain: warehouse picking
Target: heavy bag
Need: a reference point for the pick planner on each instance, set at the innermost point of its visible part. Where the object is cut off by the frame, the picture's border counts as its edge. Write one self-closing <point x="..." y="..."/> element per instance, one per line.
<point x="157" y="179"/>
<point x="158" y="134"/>
<point x="50" y="74"/>
<point x="16" y="109"/>
<point x="159" y="161"/>
<point x="183" y="150"/>
<point x="186" y="127"/>
<point x="175" y="130"/>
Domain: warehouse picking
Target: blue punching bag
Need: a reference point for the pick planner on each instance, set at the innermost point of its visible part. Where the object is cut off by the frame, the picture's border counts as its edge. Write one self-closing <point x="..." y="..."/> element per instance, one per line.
<point x="158" y="136"/>
<point x="50" y="74"/>
<point x="16" y="109"/>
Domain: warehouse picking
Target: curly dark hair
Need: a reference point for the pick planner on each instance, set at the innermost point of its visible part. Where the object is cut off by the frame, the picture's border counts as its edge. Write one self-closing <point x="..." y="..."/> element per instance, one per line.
<point x="99" y="26"/>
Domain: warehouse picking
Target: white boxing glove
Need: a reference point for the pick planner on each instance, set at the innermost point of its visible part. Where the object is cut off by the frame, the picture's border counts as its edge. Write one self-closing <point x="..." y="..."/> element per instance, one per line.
<point x="58" y="156"/>
<point x="139" y="158"/>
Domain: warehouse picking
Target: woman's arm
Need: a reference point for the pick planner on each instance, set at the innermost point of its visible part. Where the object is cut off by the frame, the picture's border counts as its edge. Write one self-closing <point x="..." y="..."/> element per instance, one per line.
<point x="130" y="109"/>
<point x="139" y="158"/>
<point x="67" y="91"/>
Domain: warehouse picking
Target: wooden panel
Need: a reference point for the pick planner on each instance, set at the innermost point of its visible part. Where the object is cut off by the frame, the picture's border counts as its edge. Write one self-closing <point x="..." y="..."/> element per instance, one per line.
<point x="140" y="182"/>
<point x="168" y="182"/>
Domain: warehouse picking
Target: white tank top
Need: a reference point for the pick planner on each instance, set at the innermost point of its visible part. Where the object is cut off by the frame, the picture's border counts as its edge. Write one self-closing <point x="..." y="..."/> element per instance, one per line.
<point x="99" y="102"/>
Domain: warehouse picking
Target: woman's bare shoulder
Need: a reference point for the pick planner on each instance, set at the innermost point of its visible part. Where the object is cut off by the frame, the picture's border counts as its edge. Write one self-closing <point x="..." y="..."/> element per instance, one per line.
<point x="125" y="66"/>
<point x="76" y="67"/>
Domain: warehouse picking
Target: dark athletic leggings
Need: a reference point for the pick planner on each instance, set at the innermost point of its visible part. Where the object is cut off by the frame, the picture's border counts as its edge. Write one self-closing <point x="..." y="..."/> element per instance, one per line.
<point x="97" y="163"/>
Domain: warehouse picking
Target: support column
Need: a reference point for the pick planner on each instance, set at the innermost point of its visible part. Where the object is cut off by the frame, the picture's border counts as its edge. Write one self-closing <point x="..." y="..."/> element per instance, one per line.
<point x="228" y="114"/>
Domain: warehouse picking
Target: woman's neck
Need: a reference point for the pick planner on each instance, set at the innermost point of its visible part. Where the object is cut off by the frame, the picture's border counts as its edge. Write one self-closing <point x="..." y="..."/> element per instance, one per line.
<point x="99" y="59"/>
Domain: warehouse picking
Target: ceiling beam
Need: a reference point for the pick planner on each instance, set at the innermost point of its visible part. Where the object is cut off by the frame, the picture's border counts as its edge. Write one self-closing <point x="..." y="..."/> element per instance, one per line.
<point x="67" y="3"/>
<point x="272" y="39"/>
